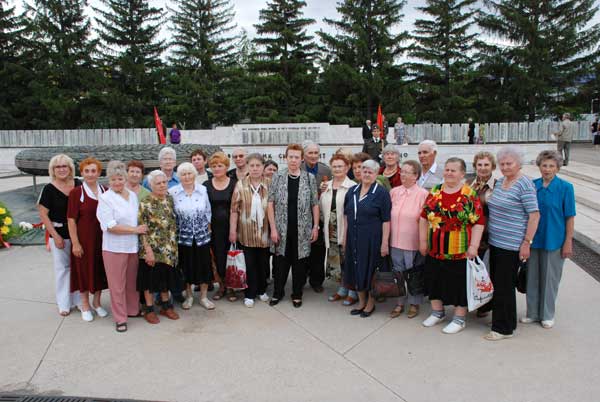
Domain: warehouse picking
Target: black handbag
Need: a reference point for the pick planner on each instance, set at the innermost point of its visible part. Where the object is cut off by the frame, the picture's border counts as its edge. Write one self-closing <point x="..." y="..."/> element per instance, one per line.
<point x="388" y="283"/>
<point x="415" y="276"/>
<point x="522" y="277"/>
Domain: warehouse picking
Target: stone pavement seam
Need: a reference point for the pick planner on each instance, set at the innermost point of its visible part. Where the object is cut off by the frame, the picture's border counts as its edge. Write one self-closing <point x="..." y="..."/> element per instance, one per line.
<point x="46" y="351"/>
<point x="343" y="355"/>
<point x="25" y="300"/>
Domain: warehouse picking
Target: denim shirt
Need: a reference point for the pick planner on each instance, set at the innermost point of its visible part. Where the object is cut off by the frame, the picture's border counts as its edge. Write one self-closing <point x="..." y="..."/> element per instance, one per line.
<point x="193" y="214"/>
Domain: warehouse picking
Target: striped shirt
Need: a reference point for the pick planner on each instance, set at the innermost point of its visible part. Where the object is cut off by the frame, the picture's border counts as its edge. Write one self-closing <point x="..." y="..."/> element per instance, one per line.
<point x="509" y="213"/>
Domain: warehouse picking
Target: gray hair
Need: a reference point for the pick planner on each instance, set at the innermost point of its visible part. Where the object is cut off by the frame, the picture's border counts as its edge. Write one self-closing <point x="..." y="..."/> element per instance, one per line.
<point x="371" y="165"/>
<point x="430" y="143"/>
<point x="309" y="143"/>
<point x="511" y="151"/>
<point x="256" y="157"/>
<point x="167" y="151"/>
<point x="153" y="175"/>
<point x="390" y="148"/>
<point x="186" y="167"/>
<point x="116" y="168"/>
<point x="549" y="155"/>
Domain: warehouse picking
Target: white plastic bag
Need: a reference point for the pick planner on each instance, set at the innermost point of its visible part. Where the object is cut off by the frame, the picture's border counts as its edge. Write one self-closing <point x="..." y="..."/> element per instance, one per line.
<point x="235" y="275"/>
<point x="479" y="285"/>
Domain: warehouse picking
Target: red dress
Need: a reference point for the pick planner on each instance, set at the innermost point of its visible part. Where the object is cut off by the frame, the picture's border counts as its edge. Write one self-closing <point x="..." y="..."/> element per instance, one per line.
<point x="87" y="272"/>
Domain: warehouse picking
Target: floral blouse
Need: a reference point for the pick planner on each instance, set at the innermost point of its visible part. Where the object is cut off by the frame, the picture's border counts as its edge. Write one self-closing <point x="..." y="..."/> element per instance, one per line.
<point x="159" y="215"/>
<point x="450" y="218"/>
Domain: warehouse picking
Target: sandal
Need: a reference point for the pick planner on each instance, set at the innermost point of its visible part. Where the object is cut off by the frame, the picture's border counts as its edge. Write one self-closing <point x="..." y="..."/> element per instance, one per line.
<point x="121" y="327"/>
<point x="219" y="295"/>
<point x="64" y="313"/>
<point x="232" y="297"/>
<point x="396" y="311"/>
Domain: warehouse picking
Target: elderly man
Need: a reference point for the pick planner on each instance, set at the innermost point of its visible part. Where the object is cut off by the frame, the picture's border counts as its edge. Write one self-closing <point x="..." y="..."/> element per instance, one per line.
<point x="241" y="169"/>
<point x="322" y="173"/>
<point x="167" y="160"/>
<point x="432" y="172"/>
<point x="564" y="137"/>
<point x="366" y="131"/>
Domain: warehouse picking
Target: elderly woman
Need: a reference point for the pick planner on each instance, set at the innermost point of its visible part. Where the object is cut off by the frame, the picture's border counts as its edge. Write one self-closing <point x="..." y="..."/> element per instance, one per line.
<point x="391" y="168"/>
<point x="293" y="212"/>
<point x="514" y="217"/>
<point x="135" y="175"/>
<point x="158" y="248"/>
<point x="553" y="241"/>
<point x="484" y="164"/>
<point x="248" y="225"/>
<point x="399" y="132"/>
<point x="357" y="161"/>
<point x="199" y="160"/>
<point x="220" y="190"/>
<point x="193" y="215"/>
<point x="52" y="207"/>
<point x="117" y="214"/>
<point x="167" y="159"/>
<point x="367" y="208"/>
<point x="332" y="211"/>
<point x="450" y="230"/>
<point x="407" y="204"/>
<point x="87" y="267"/>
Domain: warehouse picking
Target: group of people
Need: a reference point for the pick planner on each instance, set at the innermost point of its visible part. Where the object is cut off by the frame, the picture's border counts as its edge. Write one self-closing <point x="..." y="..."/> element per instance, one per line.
<point x="156" y="240"/>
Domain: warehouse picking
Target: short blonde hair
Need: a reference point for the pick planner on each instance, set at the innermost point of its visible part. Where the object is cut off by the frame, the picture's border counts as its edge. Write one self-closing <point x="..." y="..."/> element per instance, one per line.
<point x="186" y="167"/>
<point x="483" y="155"/>
<point x="56" y="160"/>
<point x="116" y="168"/>
<point x="218" y="157"/>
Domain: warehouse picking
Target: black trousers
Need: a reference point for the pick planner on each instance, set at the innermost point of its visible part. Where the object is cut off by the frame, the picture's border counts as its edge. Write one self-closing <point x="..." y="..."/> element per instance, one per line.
<point x="504" y="265"/>
<point x="281" y="270"/>
<point x="316" y="265"/>
<point x="257" y="259"/>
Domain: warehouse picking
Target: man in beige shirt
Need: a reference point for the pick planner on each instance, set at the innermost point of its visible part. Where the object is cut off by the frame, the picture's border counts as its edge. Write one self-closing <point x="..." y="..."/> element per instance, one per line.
<point x="564" y="137"/>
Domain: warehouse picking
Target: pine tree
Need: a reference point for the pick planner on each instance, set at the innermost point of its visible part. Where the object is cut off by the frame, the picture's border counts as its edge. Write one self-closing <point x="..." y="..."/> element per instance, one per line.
<point x="203" y="53"/>
<point x="553" y="47"/>
<point x="61" y="62"/>
<point x="363" y="50"/>
<point x="443" y="46"/>
<point x="285" y="63"/>
<point x="12" y="69"/>
<point x="131" y="59"/>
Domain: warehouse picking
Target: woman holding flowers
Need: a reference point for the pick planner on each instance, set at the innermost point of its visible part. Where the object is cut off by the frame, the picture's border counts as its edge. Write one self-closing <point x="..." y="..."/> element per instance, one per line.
<point x="450" y="230"/>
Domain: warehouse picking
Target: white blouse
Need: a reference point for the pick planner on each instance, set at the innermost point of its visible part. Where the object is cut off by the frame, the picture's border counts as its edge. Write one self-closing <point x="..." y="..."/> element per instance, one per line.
<point x="114" y="210"/>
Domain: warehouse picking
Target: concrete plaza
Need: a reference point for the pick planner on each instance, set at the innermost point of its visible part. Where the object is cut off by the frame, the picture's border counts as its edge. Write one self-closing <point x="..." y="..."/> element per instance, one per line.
<point x="316" y="353"/>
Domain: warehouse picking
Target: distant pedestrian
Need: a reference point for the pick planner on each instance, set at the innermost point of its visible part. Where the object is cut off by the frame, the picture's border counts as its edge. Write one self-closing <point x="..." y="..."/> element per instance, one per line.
<point x="595" y="133"/>
<point x="374" y="145"/>
<point x="399" y="132"/>
<point x="366" y="131"/>
<point x="564" y="136"/>
<point x="175" y="135"/>
<point x="471" y="131"/>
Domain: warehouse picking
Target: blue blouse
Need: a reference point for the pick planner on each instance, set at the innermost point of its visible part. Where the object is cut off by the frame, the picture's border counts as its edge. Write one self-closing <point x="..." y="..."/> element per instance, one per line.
<point x="557" y="204"/>
<point x="193" y="214"/>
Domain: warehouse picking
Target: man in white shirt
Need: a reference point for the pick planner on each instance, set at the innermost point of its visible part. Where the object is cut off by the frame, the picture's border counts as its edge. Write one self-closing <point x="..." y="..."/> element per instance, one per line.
<point x="432" y="172"/>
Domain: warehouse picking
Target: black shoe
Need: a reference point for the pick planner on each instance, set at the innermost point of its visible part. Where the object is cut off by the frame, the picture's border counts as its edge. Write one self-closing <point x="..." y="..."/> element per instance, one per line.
<point x="273" y="302"/>
<point x="179" y="299"/>
<point x="357" y="311"/>
<point x="297" y="303"/>
<point x="318" y="289"/>
<point x="366" y="314"/>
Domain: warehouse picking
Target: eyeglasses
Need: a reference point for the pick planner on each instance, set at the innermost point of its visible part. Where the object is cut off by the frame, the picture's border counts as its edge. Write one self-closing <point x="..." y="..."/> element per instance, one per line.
<point x="61" y="167"/>
<point x="238" y="156"/>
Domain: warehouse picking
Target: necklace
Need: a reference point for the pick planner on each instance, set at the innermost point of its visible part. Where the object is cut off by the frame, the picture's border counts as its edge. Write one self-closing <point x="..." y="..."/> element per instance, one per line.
<point x="291" y="176"/>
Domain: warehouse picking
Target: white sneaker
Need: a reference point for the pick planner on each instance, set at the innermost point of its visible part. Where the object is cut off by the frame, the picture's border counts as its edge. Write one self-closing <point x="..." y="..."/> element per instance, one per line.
<point x="548" y="323"/>
<point x="188" y="303"/>
<point x="527" y="320"/>
<point x="249" y="302"/>
<point x="264" y="297"/>
<point x="207" y="304"/>
<point x="432" y="320"/>
<point x="101" y="312"/>
<point x="496" y="336"/>
<point x="87" y="316"/>
<point x="454" y="327"/>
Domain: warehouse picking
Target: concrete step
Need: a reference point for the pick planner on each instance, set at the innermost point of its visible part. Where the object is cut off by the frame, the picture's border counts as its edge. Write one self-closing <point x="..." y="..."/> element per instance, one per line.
<point x="587" y="225"/>
<point x="582" y="171"/>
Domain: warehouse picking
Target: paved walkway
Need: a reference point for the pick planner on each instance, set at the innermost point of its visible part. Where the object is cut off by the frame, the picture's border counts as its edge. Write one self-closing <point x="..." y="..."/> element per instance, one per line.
<point x="316" y="353"/>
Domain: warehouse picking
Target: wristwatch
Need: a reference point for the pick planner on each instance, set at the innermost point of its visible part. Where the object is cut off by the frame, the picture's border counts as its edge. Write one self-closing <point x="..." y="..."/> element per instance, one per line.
<point x="528" y="241"/>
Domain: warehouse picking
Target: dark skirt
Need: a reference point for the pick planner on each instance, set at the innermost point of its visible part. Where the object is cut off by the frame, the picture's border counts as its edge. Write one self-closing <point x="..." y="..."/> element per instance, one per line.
<point x="446" y="280"/>
<point x="195" y="264"/>
<point x="596" y="139"/>
<point x="159" y="278"/>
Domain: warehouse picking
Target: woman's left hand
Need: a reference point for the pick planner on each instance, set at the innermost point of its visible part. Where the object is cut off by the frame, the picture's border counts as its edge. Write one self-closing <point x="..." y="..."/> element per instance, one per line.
<point x="385" y="249"/>
<point x="314" y="235"/>
<point x="567" y="249"/>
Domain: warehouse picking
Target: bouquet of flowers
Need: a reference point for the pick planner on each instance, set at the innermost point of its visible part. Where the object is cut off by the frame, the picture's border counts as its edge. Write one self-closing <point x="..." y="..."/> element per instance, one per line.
<point x="6" y="226"/>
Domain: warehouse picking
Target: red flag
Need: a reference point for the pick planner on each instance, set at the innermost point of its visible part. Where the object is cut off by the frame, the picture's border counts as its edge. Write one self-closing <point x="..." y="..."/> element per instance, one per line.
<point x="159" y="127"/>
<point x="380" y="122"/>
